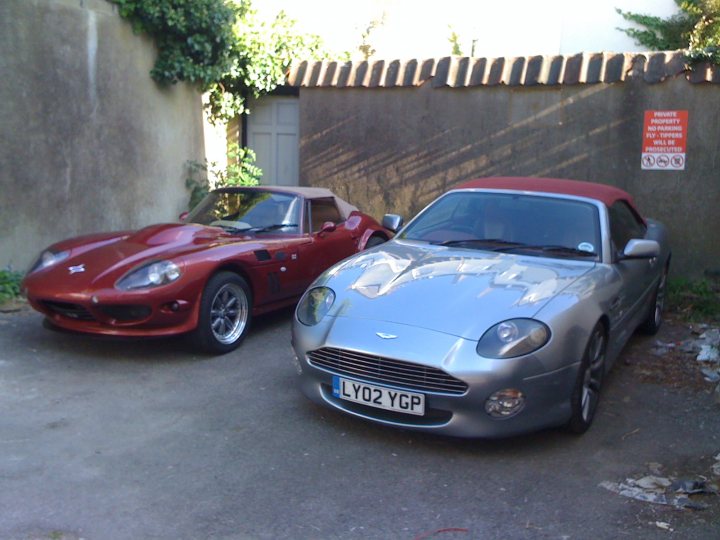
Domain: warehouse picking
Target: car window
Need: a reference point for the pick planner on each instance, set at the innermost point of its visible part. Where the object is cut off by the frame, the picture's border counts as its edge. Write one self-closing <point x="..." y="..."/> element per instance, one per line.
<point x="322" y="211"/>
<point x="539" y="225"/>
<point x="624" y="225"/>
<point x="259" y="211"/>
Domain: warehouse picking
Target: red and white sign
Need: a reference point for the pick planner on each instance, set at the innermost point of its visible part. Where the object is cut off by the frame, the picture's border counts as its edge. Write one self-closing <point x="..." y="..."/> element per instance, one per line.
<point x="664" y="140"/>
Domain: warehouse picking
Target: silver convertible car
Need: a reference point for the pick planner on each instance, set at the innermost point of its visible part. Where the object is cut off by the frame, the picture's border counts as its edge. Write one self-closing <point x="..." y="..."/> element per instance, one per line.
<point x="497" y="310"/>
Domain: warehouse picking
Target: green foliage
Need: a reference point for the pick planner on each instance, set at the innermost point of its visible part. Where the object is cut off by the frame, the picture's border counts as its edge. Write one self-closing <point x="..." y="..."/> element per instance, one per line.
<point x="195" y="38"/>
<point x="697" y="300"/>
<point x="241" y="169"/>
<point x="365" y="47"/>
<point x="454" y="40"/>
<point x="9" y="284"/>
<point x="696" y="28"/>
<point x="204" y="176"/>
<point x="263" y="54"/>
<point x="704" y="42"/>
<point x="221" y="46"/>
<point x="659" y="34"/>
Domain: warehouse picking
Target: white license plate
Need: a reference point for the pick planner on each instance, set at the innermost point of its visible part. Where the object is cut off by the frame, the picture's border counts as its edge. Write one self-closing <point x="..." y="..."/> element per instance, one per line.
<point x="379" y="396"/>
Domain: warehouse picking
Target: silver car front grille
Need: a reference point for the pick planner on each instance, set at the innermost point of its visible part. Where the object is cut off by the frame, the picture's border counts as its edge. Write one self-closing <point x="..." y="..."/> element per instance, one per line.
<point x="373" y="368"/>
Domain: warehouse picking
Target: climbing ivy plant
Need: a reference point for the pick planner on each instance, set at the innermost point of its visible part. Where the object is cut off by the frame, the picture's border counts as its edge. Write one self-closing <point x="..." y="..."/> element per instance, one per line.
<point x="263" y="53"/>
<point x="222" y="46"/>
<point x="204" y="176"/>
<point x="695" y="28"/>
<point x="194" y="38"/>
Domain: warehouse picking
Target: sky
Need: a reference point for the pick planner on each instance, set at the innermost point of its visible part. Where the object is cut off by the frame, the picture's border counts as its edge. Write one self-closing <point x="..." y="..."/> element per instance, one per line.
<point x="420" y="28"/>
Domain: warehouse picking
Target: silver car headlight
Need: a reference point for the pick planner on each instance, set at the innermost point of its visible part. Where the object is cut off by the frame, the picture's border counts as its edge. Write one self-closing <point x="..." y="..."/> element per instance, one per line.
<point x="514" y="337"/>
<point x="48" y="258"/>
<point x="314" y="305"/>
<point x="149" y="275"/>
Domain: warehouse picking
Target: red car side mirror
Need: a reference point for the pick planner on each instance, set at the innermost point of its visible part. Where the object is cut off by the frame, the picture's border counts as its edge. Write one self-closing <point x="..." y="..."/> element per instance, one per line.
<point x="184" y="215"/>
<point x="327" y="227"/>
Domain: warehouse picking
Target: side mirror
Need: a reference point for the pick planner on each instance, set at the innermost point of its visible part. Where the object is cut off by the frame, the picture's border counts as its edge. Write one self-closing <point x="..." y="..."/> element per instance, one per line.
<point x="328" y="227"/>
<point x="641" y="249"/>
<point x="392" y="222"/>
<point x="184" y="215"/>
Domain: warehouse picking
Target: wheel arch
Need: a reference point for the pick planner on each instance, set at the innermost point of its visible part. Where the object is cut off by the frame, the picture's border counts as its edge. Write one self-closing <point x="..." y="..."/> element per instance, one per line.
<point x="371" y="233"/>
<point x="235" y="268"/>
<point x="604" y="321"/>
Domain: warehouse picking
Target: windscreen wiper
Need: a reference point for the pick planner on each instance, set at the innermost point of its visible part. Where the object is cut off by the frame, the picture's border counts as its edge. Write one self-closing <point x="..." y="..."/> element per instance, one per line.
<point x="232" y="230"/>
<point x="498" y="242"/>
<point x="267" y="228"/>
<point x="550" y="248"/>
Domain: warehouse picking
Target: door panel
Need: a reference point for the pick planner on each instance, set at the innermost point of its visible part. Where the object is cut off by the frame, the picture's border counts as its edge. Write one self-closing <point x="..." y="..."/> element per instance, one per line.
<point x="262" y="145"/>
<point x="273" y="133"/>
<point x="326" y="249"/>
<point x="287" y="165"/>
<point x="636" y="275"/>
<point x="283" y="275"/>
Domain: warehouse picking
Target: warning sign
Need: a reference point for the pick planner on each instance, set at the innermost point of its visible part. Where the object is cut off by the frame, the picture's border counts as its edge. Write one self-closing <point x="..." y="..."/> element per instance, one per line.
<point x="664" y="140"/>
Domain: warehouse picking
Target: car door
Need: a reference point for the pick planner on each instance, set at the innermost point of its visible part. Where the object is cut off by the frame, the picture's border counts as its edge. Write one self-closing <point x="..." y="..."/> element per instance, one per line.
<point x="275" y="264"/>
<point x="327" y="245"/>
<point x="636" y="275"/>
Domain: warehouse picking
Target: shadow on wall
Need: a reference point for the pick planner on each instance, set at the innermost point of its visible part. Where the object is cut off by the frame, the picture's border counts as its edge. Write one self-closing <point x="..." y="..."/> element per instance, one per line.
<point x="393" y="150"/>
<point x="388" y="161"/>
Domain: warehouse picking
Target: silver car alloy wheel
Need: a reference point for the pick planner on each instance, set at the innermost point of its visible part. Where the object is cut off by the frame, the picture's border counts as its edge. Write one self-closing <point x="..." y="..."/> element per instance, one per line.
<point x="592" y="378"/>
<point x="229" y="313"/>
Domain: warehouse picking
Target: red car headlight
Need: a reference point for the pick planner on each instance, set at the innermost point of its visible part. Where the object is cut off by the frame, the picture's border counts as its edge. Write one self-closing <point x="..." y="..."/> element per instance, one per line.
<point x="149" y="275"/>
<point x="48" y="258"/>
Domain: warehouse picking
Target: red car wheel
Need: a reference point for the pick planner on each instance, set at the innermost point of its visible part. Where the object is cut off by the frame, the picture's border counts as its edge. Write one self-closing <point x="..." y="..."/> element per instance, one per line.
<point x="224" y="313"/>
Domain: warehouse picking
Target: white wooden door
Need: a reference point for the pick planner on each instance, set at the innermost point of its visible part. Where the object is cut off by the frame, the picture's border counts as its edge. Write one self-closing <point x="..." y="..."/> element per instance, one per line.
<point x="273" y="133"/>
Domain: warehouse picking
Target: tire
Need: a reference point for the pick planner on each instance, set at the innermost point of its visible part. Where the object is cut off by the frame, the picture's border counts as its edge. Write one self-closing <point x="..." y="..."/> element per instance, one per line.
<point x="225" y="313"/>
<point x="374" y="241"/>
<point x="652" y="323"/>
<point x="586" y="393"/>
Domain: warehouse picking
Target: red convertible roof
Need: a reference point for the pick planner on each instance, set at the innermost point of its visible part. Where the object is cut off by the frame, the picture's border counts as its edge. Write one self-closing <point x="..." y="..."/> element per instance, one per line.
<point x="601" y="192"/>
<point x="307" y="192"/>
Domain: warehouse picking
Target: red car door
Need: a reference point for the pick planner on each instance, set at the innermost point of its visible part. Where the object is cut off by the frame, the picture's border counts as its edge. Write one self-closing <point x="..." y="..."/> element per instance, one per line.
<point x="329" y="242"/>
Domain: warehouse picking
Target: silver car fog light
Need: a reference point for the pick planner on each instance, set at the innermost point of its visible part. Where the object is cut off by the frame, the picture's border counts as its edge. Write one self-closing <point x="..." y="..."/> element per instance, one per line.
<point x="505" y="403"/>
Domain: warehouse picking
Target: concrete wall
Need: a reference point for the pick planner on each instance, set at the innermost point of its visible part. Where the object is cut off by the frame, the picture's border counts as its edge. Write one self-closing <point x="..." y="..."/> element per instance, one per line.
<point x="89" y="141"/>
<point x="396" y="149"/>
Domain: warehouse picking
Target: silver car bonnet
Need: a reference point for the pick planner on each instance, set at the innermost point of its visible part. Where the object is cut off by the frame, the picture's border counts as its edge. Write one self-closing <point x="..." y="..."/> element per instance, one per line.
<point x="461" y="292"/>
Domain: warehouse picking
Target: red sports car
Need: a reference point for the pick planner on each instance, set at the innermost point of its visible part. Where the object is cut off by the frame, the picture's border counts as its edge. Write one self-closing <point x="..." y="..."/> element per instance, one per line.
<point x="241" y="252"/>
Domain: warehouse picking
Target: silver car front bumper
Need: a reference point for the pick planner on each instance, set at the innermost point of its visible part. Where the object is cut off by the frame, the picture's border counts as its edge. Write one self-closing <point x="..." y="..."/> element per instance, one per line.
<point x="545" y="378"/>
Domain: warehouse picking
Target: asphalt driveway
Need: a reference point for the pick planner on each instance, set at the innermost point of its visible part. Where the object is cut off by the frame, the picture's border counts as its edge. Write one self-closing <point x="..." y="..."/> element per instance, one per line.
<point x="117" y="439"/>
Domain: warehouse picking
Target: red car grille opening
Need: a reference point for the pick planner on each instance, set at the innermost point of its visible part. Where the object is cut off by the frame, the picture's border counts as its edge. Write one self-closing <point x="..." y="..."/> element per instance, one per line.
<point x="126" y="313"/>
<point x="71" y="311"/>
<point x="388" y="371"/>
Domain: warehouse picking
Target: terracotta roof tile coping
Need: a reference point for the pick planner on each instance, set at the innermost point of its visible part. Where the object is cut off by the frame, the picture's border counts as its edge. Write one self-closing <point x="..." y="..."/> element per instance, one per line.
<point x="461" y="72"/>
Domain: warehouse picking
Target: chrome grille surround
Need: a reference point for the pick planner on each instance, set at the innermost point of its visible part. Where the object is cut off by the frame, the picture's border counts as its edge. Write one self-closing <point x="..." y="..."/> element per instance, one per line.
<point x="388" y="371"/>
